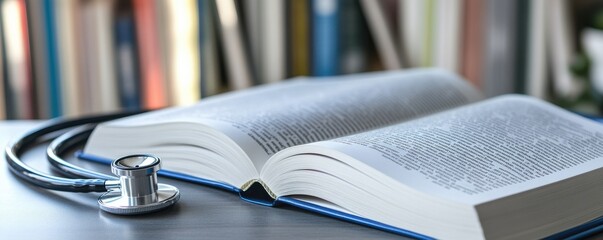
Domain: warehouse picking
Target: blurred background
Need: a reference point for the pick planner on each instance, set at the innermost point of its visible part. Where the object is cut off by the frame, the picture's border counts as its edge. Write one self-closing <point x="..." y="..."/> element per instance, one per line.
<point x="77" y="57"/>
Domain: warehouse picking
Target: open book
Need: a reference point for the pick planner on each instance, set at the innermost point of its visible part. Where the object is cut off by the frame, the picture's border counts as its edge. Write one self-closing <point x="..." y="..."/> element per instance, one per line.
<point x="414" y="151"/>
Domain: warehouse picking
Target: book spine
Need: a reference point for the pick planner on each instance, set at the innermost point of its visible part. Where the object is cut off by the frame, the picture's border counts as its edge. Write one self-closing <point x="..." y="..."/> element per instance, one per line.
<point x="54" y="71"/>
<point x="19" y="84"/>
<point x="183" y="51"/>
<point x="428" y="33"/>
<point x="522" y="39"/>
<point x="256" y="191"/>
<point x="353" y="38"/>
<point x="499" y="39"/>
<point x="325" y="39"/>
<point x="39" y="57"/>
<point x="66" y="13"/>
<point x="448" y="31"/>
<point x="104" y="91"/>
<point x="472" y="55"/>
<point x="125" y="57"/>
<point x="161" y="17"/>
<point x="253" y="29"/>
<point x="210" y="66"/>
<point x="85" y="35"/>
<point x="536" y="79"/>
<point x="3" y="76"/>
<point x="273" y="41"/>
<point x="201" y="8"/>
<point x="299" y="38"/>
<point x="412" y="23"/>
<point x="26" y="94"/>
<point x="235" y="51"/>
<point x="153" y="82"/>
<point x="96" y="53"/>
<point x="381" y="31"/>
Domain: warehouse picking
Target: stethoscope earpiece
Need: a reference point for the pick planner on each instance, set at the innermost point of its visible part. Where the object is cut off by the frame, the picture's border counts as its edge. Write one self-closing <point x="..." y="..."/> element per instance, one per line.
<point x="137" y="190"/>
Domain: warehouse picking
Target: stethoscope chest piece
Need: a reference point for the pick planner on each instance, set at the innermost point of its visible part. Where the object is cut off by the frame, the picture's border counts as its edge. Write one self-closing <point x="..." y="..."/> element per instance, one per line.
<point x="137" y="190"/>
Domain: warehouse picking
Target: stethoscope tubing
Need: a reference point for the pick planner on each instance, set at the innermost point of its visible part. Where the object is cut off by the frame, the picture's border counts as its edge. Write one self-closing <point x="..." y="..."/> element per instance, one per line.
<point x="67" y="141"/>
<point x="89" y="181"/>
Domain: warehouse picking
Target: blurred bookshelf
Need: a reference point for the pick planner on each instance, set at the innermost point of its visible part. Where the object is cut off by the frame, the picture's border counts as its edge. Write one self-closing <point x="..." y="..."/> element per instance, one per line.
<point x="73" y="58"/>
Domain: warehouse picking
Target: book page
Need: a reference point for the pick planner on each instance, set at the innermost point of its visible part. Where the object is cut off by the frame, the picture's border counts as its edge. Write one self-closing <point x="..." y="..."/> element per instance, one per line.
<point x="267" y="119"/>
<point x="482" y="151"/>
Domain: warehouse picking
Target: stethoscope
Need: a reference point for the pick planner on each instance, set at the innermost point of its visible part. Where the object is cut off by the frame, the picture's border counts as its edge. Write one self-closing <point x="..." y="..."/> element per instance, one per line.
<point x="134" y="189"/>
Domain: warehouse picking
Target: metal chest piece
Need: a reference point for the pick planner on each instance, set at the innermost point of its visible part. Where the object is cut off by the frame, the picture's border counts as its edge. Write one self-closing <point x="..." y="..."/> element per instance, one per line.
<point x="138" y="190"/>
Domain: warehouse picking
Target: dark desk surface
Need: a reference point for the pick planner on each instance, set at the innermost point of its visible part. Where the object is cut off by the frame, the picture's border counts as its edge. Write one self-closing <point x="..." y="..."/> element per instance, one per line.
<point x="28" y="212"/>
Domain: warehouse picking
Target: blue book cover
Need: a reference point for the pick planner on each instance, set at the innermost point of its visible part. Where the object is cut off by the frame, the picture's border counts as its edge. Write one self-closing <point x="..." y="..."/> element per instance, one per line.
<point x="325" y="37"/>
<point x="126" y="58"/>
<point x="54" y="79"/>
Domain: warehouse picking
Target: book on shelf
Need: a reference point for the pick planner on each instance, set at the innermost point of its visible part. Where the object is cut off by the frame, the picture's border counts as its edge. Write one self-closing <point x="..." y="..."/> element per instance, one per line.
<point x="263" y="38"/>
<point x="238" y="65"/>
<point x="447" y="34"/>
<point x="182" y="50"/>
<point x="98" y="76"/>
<point x="2" y="74"/>
<point x="412" y="31"/>
<point x="2" y="71"/>
<point x="472" y="36"/>
<point x="500" y="47"/>
<point x="353" y="47"/>
<point x="68" y="45"/>
<point x="325" y="38"/>
<point x="19" y="89"/>
<point x="418" y="153"/>
<point x="39" y="55"/>
<point x="536" y="83"/>
<point x="382" y="32"/>
<point x="209" y="63"/>
<point x="126" y="62"/>
<point x="298" y="37"/>
<point x="272" y="41"/>
<point x="153" y="82"/>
